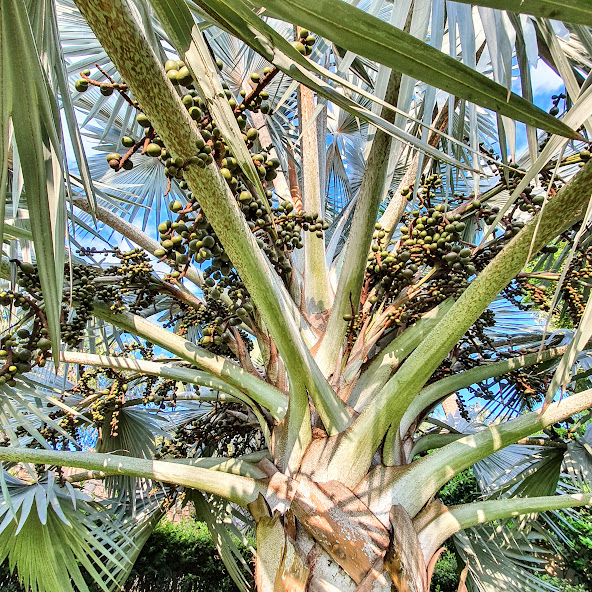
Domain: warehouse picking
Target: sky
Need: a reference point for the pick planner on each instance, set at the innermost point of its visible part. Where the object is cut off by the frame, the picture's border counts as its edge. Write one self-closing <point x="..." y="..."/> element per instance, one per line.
<point x="545" y="84"/>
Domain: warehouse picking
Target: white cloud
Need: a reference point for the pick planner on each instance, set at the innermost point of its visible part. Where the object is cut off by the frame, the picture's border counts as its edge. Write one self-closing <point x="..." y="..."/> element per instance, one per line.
<point x="544" y="80"/>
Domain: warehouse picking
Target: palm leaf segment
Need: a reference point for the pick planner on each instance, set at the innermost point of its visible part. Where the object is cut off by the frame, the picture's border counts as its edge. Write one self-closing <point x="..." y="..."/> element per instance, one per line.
<point x="53" y="532"/>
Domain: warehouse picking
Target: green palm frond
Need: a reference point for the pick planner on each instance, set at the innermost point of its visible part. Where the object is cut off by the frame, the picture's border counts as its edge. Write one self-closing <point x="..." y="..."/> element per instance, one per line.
<point x="39" y="141"/>
<point x="520" y="470"/>
<point x="578" y="460"/>
<point x="52" y="534"/>
<point x="503" y="558"/>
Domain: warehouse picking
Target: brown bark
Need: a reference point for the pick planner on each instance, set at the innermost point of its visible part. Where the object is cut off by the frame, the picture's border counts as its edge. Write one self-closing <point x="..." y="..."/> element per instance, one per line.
<point x="330" y="540"/>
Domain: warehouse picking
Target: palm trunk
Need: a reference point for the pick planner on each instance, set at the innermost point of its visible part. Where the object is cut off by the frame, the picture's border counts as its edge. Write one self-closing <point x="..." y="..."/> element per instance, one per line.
<point x="330" y="541"/>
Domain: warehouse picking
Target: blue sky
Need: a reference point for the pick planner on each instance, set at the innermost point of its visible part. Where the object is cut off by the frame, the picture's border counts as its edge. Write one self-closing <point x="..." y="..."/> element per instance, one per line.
<point x="545" y="84"/>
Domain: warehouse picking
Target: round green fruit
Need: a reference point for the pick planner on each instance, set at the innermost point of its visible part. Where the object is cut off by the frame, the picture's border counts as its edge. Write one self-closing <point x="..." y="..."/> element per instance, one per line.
<point x="44" y="344"/>
<point x="143" y="120"/>
<point x="299" y="47"/>
<point x="153" y="149"/>
<point x="170" y="65"/>
<point x="184" y="76"/>
<point x="81" y="85"/>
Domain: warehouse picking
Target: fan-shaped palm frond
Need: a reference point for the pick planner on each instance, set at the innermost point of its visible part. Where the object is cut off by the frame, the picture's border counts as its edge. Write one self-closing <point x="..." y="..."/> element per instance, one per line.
<point x="60" y="531"/>
<point x="503" y="558"/>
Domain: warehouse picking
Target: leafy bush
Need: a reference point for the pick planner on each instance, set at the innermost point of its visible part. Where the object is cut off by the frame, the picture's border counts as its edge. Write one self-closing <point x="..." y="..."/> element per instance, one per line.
<point x="463" y="489"/>
<point x="578" y="555"/>
<point x="8" y="582"/>
<point x="180" y="558"/>
<point x="564" y="585"/>
<point x="445" y="578"/>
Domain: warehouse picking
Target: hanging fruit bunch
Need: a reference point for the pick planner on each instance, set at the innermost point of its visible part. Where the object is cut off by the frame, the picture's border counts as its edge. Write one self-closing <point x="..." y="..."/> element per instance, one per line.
<point x="127" y="286"/>
<point x="190" y="238"/>
<point x="224" y="431"/>
<point x="430" y="261"/>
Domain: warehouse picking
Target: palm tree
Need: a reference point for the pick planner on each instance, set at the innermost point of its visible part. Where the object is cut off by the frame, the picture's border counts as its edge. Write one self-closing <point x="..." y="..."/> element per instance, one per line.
<point x="308" y="243"/>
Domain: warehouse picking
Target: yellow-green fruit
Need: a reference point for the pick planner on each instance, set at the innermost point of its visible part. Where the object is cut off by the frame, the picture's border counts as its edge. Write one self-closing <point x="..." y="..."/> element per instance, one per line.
<point x="81" y="85"/>
<point x="184" y="76"/>
<point x="143" y="120"/>
<point x="299" y="47"/>
<point x="153" y="149"/>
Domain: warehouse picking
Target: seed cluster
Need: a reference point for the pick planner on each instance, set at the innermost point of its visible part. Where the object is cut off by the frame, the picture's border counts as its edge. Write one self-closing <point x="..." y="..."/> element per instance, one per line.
<point x="224" y="431"/>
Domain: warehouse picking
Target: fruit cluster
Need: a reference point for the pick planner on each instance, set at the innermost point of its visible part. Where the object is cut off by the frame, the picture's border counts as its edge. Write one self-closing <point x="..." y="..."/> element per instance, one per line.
<point x="105" y="410"/>
<point x="190" y="238"/>
<point x="129" y="285"/>
<point x="225" y="431"/>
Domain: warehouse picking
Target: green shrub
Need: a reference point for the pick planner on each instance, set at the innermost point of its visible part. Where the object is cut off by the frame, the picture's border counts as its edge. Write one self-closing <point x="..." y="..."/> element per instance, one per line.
<point x="8" y="582"/>
<point x="564" y="585"/>
<point x="180" y="558"/>
<point x="445" y="578"/>
<point x="578" y="553"/>
<point x="462" y="489"/>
